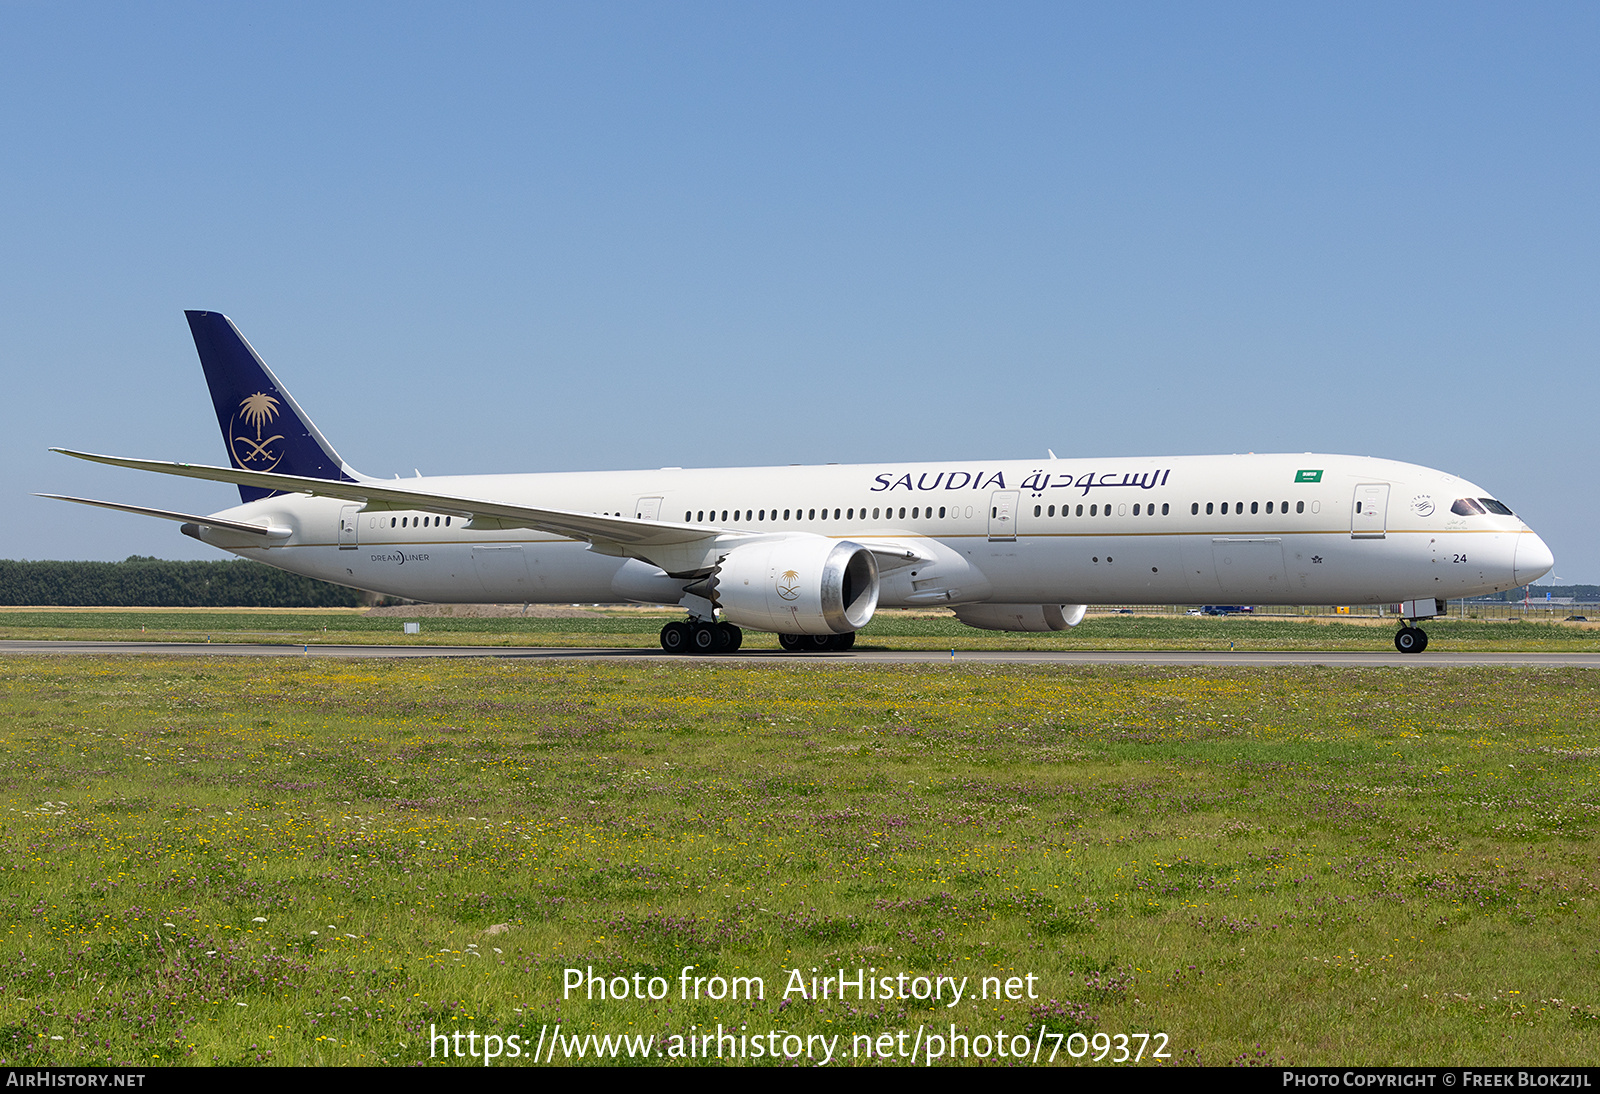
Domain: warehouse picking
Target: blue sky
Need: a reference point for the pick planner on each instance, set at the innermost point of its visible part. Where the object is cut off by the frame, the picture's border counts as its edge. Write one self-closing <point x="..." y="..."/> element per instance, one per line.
<point x="552" y="237"/>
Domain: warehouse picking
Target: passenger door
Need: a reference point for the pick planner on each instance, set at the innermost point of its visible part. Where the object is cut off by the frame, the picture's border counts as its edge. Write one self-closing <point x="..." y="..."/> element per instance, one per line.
<point x="1003" y="515"/>
<point x="1369" y="511"/>
<point x="349" y="519"/>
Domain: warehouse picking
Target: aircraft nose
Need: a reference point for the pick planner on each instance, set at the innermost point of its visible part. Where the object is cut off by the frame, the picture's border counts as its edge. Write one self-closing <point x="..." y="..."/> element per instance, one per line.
<point x="1533" y="559"/>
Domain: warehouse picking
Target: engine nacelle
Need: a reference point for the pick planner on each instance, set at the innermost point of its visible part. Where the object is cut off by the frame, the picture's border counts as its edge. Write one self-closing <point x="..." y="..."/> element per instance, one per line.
<point x="798" y="585"/>
<point x="1021" y="617"/>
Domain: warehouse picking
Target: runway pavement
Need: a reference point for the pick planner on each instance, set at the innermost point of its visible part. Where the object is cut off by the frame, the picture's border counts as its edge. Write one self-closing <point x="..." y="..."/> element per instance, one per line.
<point x="1436" y="658"/>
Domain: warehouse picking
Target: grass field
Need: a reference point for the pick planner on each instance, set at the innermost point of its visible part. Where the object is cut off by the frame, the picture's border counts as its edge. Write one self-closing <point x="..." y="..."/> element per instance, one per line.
<point x="895" y="630"/>
<point x="318" y="862"/>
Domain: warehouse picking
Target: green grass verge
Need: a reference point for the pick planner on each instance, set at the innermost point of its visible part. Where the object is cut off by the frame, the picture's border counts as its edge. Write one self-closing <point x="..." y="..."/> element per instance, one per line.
<point x="318" y="862"/>
<point x="888" y="630"/>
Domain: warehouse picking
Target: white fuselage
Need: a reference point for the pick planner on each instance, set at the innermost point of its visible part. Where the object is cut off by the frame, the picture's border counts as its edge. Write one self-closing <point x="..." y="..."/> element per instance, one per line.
<point x="1267" y="529"/>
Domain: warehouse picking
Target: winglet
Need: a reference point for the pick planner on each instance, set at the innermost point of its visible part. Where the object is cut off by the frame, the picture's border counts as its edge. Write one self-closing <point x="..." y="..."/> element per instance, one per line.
<point x="263" y="428"/>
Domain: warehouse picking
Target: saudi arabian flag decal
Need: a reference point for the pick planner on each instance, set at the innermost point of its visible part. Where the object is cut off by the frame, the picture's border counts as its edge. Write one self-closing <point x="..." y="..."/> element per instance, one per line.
<point x="1308" y="476"/>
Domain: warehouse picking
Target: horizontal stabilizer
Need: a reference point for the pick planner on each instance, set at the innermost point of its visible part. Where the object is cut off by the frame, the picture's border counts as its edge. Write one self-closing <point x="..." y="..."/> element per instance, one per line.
<point x="186" y="518"/>
<point x="624" y="531"/>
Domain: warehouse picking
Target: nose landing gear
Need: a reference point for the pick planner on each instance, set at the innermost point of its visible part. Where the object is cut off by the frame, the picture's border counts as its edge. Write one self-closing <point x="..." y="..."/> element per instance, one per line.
<point x="1410" y="639"/>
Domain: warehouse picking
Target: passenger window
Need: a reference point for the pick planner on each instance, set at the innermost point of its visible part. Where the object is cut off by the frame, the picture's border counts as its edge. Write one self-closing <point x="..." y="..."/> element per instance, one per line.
<point x="1080" y="510"/>
<point x="874" y="514"/>
<point x="1224" y="508"/>
<point x="1094" y="510"/>
<point x="1194" y="508"/>
<point x="1135" y="508"/>
<point x="1255" y="507"/>
<point x="1038" y="511"/>
<point x="941" y="511"/>
<point x="1299" y="507"/>
<point x="1208" y="508"/>
<point x="1163" y="508"/>
<point x="902" y="512"/>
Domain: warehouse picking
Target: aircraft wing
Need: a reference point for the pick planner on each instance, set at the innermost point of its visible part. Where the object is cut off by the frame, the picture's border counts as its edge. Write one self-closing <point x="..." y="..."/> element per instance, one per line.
<point x="483" y="512"/>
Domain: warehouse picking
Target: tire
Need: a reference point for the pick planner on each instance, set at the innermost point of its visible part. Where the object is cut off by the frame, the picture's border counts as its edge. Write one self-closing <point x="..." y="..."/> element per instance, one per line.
<point x="1409" y="640"/>
<point x="675" y="637"/>
<point x="729" y="638"/>
<point x="794" y="643"/>
<point x="1422" y="637"/>
<point x="842" y="642"/>
<point x="704" y="638"/>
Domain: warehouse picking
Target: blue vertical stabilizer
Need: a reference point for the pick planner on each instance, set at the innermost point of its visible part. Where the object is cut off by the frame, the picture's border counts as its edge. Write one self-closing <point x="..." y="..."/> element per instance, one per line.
<point x="263" y="428"/>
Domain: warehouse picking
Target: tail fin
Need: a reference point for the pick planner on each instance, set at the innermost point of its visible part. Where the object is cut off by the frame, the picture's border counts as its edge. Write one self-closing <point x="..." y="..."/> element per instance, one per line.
<point x="263" y="428"/>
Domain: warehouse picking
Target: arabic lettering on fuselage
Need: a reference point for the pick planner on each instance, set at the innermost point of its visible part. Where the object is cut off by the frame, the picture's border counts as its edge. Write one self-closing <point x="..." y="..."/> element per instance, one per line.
<point x="1037" y="482"/>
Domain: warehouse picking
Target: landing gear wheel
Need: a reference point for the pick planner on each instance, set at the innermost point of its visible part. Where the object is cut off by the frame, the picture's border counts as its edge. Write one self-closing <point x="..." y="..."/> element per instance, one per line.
<point x="793" y="643"/>
<point x="1411" y="640"/>
<point x="842" y="642"/>
<point x="703" y="637"/>
<point x="729" y="638"/>
<point x="675" y="637"/>
<point x="817" y="643"/>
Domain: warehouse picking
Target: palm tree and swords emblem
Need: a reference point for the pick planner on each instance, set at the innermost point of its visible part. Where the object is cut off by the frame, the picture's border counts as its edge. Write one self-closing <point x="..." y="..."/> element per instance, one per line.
<point x="789" y="585"/>
<point x="258" y="411"/>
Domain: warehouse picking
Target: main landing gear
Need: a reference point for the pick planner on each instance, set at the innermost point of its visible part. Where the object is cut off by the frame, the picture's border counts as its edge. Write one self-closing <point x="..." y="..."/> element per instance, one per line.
<point x="817" y="643"/>
<point x="1409" y="639"/>
<point x="699" y="637"/>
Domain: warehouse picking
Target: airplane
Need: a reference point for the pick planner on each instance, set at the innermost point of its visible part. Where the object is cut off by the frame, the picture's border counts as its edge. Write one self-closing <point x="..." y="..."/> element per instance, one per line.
<point x="811" y="552"/>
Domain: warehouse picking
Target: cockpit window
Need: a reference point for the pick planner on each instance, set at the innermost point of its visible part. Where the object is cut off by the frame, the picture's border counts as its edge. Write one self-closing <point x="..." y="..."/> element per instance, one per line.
<point x="1467" y="507"/>
<point x="1496" y="508"/>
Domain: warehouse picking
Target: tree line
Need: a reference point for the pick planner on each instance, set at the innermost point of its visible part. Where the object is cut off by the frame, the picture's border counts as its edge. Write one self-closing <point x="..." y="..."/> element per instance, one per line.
<point x="144" y="582"/>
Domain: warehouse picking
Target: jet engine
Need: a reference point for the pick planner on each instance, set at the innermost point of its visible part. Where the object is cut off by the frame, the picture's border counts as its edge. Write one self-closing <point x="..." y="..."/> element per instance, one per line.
<point x="797" y="585"/>
<point x="1021" y="617"/>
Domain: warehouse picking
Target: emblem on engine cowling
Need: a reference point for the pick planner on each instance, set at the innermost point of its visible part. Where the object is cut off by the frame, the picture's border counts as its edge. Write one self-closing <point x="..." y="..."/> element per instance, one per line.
<point x="789" y="585"/>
